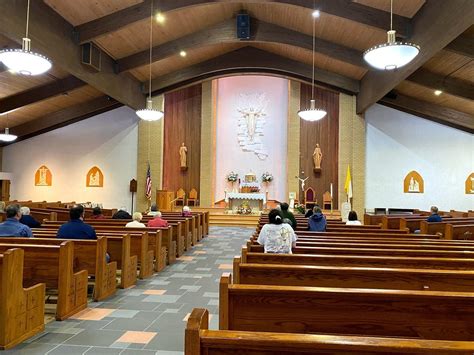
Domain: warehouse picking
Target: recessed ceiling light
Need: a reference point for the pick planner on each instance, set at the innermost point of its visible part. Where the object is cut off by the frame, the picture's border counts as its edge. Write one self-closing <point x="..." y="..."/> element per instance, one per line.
<point x="160" y="18"/>
<point x="182" y="54"/>
<point x="438" y="92"/>
<point x="316" y="13"/>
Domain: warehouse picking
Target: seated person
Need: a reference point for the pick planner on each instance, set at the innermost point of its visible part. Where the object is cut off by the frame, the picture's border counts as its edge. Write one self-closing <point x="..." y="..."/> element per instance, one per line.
<point x="317" y="222"/>
<point x="12" y="226"/>
<point x="153" y="210"/>
<point x="434" y="217"/>
<point x="137" y="217"/>
<point x="276" y="236"/>
<point x="186" y="212"/>
<point x="157" y="221"/>
<point x="97" y="213"/>
<point x="287" y="214"/>
<point x="122" y="214"/>
<point x="309" y="213"/>
<point x="76" y="228"/>
<point x="352" y="219"/>
<point x="28" y="220"/>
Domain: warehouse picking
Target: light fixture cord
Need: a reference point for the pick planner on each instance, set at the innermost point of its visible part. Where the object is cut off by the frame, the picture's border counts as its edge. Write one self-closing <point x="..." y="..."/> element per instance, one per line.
<point x="151" y="44"/>
<point x="314" y="44"/>
<point x="27" y="18"/>
<point x="391" y="15"/>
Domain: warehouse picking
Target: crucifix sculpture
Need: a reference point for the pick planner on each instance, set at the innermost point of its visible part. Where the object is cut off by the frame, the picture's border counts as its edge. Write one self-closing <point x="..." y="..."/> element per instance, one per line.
<point x="302" y="181"/>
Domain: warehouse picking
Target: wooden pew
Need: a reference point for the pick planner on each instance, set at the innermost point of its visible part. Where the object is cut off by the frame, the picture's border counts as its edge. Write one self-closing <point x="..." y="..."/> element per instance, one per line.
<point x="459" y="232"/>
<point x="53" y="265"/>
<point x="357" y="235"/>
<point x="348" y="239"/>
<point x="353" y="277"/>
<point x="89" y="255"/>
<point x="21" y="309"/>
<point x="396" y="313"/>
<point x="374" y="251"/>
<point x="415" y="224"/>
<point x="358" y="261"/>
<point x="439" y="227"/>
<point x="199" y="340"/>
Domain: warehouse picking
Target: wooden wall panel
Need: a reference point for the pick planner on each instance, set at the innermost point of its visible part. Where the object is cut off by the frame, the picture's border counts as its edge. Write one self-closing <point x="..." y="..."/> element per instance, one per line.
<point x="326" y="133"/>
<point x="182" y="124"/>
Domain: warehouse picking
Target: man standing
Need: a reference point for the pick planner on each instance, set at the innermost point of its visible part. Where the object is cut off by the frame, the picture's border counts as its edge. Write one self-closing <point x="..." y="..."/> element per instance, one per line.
<point x="76" y="228"/>
<point x="12" y="226"/>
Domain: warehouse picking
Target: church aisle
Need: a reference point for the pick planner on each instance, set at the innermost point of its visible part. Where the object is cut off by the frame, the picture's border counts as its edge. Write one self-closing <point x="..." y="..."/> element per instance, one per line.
<point x="149" y="318"/>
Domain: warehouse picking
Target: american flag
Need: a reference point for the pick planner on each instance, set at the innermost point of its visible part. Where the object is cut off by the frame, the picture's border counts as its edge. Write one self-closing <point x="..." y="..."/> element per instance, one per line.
<point x="148" y="183"/>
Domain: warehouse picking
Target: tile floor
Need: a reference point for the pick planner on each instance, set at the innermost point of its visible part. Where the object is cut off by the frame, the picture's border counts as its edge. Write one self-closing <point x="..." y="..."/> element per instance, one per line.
<point x="149" y="318"/>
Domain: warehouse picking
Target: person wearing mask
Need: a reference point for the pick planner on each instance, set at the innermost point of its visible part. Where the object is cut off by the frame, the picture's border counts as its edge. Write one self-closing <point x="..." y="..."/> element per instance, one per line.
<point x="97" y="213"/>
<point x="434" y="217"/>
<point x="276" y="236"/>
<point x="27" y="219"/>
<point x="136" y="223"/>
<point x="12" y="226"/>
<point x="76" y="228"/>
<point x="286" y="214"/>
<point x="157" y="221"/>
<point x="352" y="219"/>
<point x="317" y="222"/>
<point x="122" y="214"/>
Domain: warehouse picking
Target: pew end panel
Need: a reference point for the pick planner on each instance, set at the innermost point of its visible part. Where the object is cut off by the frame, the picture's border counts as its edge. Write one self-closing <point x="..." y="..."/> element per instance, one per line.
<point x="225" y="281"/>
<point x="198" y="320"/>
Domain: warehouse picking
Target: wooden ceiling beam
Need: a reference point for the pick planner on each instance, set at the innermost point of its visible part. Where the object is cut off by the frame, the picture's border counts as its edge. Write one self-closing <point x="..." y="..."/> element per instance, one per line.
<point x="430" y="111"/>
<point x="434" y="27"/>
<point x="51" y="35"/>
<point x="463" y="45"/>
<point x="452" y="86"/>
<point x="64" y="117"/>
<point x="39" y="93"/>
<point x="224" y="32"/>
<point x="251" y="60"/>
<point x="342" y="8"/>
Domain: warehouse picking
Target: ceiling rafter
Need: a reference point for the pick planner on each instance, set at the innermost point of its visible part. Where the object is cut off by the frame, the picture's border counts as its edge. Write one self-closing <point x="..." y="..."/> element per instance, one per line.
<point x="430" y="111"/>
<point x="342" y="8"/>
<point x="64" y="117"/>
<point x="39" y="93"/>
<point x="463" y="45"/>
<point x="251" y="59"/>
<point x="51" y="36"/>
<point x="224" y="32"/>
<point x="436" y="25"/>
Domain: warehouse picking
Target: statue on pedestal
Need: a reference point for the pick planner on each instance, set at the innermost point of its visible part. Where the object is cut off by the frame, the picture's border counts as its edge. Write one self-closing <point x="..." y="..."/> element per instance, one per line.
<point x="183" y="157"/>
<point x="317" y="158"/>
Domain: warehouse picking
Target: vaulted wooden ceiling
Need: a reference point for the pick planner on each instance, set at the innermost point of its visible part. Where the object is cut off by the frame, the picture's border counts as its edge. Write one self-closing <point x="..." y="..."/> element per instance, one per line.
<point x="280" y="44"/>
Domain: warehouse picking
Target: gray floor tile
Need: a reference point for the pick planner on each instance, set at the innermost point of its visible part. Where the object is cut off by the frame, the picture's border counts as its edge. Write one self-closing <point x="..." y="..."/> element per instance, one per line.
<point x="69" y="350"/>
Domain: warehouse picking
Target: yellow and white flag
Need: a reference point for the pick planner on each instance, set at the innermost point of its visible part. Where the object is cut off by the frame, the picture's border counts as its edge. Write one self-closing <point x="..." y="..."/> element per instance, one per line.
<point x="348" y="184"/>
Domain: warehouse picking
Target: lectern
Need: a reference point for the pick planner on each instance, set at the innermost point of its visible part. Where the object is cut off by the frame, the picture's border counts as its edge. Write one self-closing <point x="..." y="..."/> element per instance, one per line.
<point x="164" y="200"/>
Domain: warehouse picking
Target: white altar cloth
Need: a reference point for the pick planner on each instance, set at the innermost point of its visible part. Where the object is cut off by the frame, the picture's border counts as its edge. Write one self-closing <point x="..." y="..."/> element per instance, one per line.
<point x="245" y="196"/>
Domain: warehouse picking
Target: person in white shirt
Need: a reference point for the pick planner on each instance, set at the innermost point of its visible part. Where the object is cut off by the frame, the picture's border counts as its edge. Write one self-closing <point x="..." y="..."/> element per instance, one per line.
<point x="277" y="237"/>
<point x="352" y="219"/>
<point x="137" y="217"/>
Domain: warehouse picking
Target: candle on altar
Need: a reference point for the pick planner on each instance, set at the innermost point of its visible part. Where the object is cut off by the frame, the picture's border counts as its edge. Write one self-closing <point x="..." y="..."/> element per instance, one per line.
<point x="331" y="189"/>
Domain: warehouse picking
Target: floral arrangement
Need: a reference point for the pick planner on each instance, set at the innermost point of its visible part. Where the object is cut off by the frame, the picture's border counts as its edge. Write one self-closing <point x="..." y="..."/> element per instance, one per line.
<point x="244" y="208"/>
<point x="267" y="177"/>
<point x="232" y="177"/>
<point x="299" y="208"/>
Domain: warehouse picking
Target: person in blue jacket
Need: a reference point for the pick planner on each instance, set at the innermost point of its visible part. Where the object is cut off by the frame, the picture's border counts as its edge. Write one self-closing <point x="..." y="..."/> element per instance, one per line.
<point x="317" y="222"/>
<point x="12" y="226"/>
<point x="434" y="217"/>
<point x="27" y="219"/>
<point x="76" y="228"/>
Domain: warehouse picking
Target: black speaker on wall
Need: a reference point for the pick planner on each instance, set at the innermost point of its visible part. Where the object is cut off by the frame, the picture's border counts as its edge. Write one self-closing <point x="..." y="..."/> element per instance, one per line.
<point x="243" y="26"/>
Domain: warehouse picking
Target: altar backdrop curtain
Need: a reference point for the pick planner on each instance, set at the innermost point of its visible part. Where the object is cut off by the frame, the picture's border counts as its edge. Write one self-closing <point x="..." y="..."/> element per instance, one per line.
<point x="326" y="133"/>
<point x="229" y="154"/>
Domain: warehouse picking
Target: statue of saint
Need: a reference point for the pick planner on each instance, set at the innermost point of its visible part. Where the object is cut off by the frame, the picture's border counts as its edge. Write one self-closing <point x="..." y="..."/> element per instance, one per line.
<point x="183" y="151"/>
<point x="317" y="157"/>
<point x="414" y="185"/>
<point x="251" y="115"/>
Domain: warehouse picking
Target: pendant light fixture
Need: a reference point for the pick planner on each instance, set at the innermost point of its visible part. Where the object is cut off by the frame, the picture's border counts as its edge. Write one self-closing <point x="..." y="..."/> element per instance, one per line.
<point x="24" y="61"/>
<point x="312" y="114"/>
<point x="7" y="137"/>
<point x="391" y="55"/>
<point x="149" y="113"/>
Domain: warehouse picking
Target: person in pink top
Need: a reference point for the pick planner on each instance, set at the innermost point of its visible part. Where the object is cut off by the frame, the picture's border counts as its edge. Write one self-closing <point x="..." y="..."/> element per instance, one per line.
<point x="186" y="212"/>
<point x="157" y="221"/>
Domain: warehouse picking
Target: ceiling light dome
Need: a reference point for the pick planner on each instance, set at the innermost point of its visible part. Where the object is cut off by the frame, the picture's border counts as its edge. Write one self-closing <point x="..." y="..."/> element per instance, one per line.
<point x="313" y="114"/>
<point x="24" y="61"/>
<point x="391" y="55"/>
<point x="7" y="137"/>
<point x="149" y="113"/>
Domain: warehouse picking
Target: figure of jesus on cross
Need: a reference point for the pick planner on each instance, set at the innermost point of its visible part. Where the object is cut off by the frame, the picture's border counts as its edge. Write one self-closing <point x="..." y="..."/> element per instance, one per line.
<point x="302" y="182"/>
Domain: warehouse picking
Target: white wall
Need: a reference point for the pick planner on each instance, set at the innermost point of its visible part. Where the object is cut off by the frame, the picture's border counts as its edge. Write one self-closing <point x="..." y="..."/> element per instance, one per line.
<point x="398" y="143"/>
<point x="108" y="140"/>
<point x="229" y="154"/>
